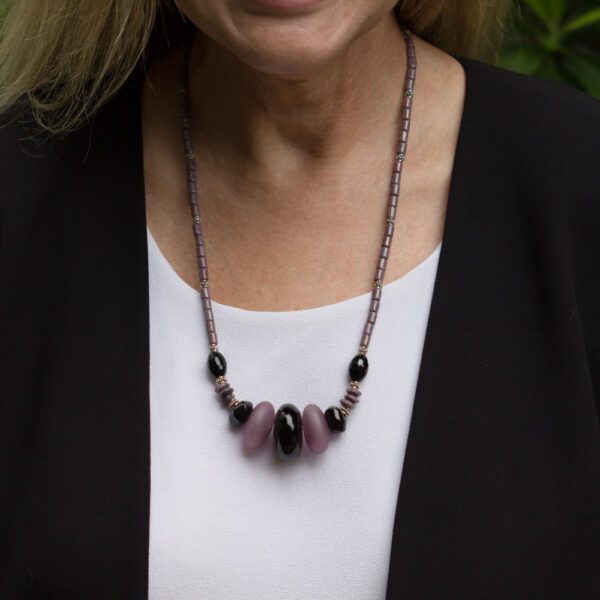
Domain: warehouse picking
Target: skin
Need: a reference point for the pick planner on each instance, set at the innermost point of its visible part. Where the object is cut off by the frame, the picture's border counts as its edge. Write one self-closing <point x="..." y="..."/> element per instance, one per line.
<point x="295" y="120"/>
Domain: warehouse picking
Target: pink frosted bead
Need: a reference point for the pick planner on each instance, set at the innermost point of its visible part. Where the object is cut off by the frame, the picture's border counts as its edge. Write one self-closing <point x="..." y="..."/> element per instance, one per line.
<point x="258" y="425"/>
<point x="316" y="431"/>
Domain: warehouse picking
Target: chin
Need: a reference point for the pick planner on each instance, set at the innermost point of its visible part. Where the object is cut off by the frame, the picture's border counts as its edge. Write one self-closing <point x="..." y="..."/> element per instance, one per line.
<point x="288" y="44"/>
<point x="290" y="59"/>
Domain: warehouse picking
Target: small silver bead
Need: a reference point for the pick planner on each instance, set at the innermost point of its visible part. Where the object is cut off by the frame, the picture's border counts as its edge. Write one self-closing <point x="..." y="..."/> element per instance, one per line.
<point x="182" y="90"/>
<point x="214" y="348"/>
<point x="362" y="350"/>
<point x="409" y="93"/>
<point x="400" y="156"/>
<point x="390" y="220"/>
<point x="204" y="283"/>
<point x="196" y="219"/>
<point x="378" y="283"/>
<point x="190" y="155"/>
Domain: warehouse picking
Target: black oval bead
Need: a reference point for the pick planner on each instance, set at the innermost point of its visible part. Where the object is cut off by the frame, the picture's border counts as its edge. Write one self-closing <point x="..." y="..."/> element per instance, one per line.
<point x="358" y="368"/>
<point x="217" y="364"/>
<point x="239" y="414"/>
<point x="287" y="432"/>
<point x="335" y="418"/>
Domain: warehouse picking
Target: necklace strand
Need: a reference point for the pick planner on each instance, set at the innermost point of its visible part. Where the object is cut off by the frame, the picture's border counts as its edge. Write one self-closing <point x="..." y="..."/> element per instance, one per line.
<point x="289" y="426"/>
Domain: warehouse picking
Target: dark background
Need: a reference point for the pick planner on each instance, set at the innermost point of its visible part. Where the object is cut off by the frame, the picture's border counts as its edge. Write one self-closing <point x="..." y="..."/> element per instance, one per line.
<point x="555" y="39"/>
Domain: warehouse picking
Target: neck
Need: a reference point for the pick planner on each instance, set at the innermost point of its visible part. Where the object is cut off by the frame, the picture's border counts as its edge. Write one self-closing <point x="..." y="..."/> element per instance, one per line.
<point x="279" y="124"/>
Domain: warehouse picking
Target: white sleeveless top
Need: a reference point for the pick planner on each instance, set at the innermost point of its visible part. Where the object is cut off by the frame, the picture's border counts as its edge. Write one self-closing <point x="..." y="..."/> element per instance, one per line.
<point x="227" y="526"/>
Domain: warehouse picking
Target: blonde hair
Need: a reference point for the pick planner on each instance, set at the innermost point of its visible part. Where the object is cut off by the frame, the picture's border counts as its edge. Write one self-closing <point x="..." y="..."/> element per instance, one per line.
<point x="66" y="58"/>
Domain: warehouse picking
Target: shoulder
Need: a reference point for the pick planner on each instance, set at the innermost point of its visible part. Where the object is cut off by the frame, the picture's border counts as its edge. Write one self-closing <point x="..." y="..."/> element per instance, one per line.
<point x="21" y="138"/>
<point x="547" y="122"/>
<point x="541" y="137"/>
<point x="38" y="166"/>
<point x="29" y="170"/>
<point x="535" y="145"/>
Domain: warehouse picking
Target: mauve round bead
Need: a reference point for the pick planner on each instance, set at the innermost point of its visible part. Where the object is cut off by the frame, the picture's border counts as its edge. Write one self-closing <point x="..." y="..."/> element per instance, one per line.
<point x="222" y="386"/>
<point x="258" y="425"/>
<point x="316" y="431"/>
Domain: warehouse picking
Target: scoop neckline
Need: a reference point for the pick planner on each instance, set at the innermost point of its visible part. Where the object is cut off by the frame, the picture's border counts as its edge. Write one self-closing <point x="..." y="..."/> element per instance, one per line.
<point x="187" y="291"/>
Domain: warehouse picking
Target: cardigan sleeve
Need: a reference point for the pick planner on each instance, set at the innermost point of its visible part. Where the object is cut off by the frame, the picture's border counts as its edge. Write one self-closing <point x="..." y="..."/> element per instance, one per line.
<point x="585" y="229"/>
<point x="582" y="143"/>
<point x="594" y="364"/>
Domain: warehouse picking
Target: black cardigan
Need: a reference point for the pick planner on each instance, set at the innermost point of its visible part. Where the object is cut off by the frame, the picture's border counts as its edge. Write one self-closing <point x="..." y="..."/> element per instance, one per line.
<point x="500" y="490"/>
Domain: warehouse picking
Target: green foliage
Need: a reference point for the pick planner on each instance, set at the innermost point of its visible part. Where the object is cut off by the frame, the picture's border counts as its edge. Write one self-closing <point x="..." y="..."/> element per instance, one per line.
<point x="555" y="39"/>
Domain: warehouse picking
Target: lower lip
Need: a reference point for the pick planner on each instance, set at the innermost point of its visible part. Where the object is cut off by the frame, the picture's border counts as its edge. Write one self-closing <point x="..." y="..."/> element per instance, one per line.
<point x="285" y="5"/>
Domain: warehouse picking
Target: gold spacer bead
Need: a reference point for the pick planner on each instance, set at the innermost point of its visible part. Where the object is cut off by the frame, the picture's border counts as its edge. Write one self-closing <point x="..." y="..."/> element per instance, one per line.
<point x="232" y="403"/>
<point x="362" y="350"/>
<point x="221" y="379"/>
<point x="344" y="410"/>
<point x="354" y="385"/>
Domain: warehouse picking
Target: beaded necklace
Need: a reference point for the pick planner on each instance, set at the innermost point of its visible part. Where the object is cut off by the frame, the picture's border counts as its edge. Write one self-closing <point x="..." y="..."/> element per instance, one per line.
<point x="289" y="426"/>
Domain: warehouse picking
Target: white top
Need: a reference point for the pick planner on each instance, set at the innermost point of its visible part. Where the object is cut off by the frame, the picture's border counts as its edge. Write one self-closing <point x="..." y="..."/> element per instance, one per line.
<point x="225" y="525"/>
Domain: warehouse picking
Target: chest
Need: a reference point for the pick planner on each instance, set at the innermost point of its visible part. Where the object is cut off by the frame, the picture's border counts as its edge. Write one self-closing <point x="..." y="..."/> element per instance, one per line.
<point x="321" y="527"/>
<point x="298" y="240"/>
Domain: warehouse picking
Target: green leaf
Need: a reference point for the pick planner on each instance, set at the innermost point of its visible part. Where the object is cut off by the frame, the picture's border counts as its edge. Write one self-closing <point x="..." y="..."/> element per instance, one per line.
<point x="550" y="42"/>
<point x="525" y="59"/>
<point x="549" y="12"/>
<point x="539" y="8"/>
<point x="591" y="17"/>
<point x="584" y="71"/>
<point x="556" y="10"/>
<point x="555" y="39"/>
<point x="551" y="71"/>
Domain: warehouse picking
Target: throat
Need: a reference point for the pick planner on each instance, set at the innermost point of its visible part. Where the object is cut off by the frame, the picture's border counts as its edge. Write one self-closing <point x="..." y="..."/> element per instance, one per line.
<point x="278" y="119"/>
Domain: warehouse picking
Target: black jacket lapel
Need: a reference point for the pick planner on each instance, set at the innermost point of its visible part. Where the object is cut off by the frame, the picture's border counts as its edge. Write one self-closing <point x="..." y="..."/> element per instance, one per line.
<point x="74" y="426"/>
<point x="500" y="488"/>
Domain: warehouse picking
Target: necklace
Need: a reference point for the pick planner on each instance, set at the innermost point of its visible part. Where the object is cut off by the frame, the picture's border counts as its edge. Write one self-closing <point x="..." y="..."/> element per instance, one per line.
<point x="289" y="426"/>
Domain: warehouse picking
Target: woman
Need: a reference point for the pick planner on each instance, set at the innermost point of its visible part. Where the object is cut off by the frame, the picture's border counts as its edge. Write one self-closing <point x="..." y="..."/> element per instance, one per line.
<point x="470" y="468"/>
